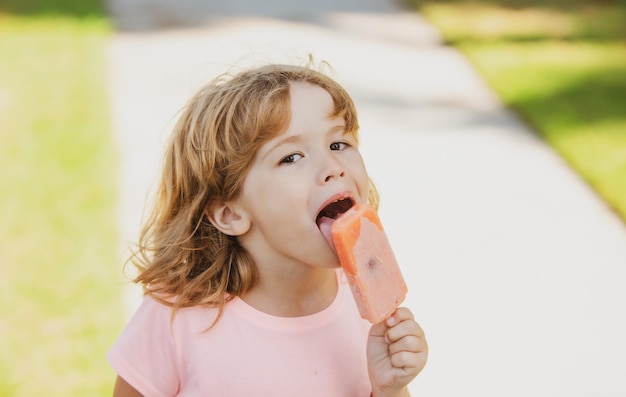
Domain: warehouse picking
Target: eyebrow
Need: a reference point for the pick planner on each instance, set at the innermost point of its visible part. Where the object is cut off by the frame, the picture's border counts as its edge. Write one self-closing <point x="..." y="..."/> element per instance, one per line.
<point x="284" y="141"/>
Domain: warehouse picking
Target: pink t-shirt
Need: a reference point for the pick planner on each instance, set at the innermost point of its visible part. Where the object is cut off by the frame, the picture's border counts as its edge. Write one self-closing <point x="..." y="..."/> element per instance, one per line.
<point x="247" y="353"/>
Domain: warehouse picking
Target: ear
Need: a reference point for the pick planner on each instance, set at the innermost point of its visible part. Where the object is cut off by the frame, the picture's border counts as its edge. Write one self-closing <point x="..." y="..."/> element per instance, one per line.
<point x="228" y="219"/>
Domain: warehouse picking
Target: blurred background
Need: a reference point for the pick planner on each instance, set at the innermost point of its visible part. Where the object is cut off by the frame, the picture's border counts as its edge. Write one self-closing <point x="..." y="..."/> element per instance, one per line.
<point x="496" y="293"/>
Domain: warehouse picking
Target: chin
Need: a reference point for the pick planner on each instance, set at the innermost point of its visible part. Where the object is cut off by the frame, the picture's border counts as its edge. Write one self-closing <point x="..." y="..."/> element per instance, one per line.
<point x="333" y="263"/>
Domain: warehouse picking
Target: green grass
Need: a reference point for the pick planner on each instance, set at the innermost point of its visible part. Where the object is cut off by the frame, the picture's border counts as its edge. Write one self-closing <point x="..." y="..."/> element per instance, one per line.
<point x="561" y="65"/>
<point x="54" y="8"/>
<point x="60" y="305"/>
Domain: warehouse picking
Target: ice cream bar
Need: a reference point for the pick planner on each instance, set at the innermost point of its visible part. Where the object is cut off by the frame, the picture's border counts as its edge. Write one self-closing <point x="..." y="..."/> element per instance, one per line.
<point x="368" y="262"/>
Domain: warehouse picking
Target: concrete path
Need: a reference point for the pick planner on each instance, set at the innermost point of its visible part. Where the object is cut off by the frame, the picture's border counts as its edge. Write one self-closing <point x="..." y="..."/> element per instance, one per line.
<point x="516" y="270"/>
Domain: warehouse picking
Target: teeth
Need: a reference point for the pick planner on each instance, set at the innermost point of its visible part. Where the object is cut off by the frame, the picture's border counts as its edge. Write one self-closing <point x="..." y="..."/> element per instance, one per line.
<point x="336" y="208"/>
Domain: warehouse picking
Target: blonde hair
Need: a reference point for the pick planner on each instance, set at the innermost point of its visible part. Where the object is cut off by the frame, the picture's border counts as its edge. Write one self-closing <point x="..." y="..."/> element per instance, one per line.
<point x="182" y="259"/>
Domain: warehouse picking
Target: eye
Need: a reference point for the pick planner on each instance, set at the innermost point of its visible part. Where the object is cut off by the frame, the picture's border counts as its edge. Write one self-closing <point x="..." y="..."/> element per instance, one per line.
<point x="290" y="159"/>
<point x="339" y="145"/>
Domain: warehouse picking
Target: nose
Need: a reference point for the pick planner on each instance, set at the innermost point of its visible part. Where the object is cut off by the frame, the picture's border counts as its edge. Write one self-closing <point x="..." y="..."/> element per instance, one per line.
<point x="334" y="175"/>
<point x="332" y="169"/>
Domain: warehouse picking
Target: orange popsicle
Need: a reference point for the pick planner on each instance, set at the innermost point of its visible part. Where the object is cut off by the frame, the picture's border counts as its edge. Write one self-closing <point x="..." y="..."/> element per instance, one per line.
<point x="368" y="262"/>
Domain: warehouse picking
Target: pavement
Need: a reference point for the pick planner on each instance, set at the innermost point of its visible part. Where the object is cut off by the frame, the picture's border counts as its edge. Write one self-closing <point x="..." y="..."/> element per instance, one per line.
<point x="516" y="269"/>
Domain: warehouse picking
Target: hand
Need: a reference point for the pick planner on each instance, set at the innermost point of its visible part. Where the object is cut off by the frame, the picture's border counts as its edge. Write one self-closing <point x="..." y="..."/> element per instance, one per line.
<point x="396" y="353"/>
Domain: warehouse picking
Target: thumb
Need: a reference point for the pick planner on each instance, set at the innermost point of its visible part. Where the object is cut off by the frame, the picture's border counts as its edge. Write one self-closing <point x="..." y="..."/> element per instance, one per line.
<point x="379" y="329"/>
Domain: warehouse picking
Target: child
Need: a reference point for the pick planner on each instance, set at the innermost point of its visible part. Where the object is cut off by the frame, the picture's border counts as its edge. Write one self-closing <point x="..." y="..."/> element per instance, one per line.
<point x="243" y="294"/>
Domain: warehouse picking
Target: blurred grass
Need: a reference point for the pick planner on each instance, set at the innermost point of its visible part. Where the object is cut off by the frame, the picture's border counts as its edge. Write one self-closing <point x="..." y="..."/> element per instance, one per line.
<point x="60" y="305"/>
<point x="54" y="8"/>
<point x="561" y="64"/>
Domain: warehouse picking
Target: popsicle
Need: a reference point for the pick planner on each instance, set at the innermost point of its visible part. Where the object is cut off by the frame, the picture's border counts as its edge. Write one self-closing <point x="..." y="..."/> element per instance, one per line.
<point x="368" y="262"/>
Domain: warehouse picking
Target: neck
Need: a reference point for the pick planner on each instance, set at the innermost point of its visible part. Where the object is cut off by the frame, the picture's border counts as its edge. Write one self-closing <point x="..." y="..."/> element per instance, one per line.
<point x="293" y="294"/>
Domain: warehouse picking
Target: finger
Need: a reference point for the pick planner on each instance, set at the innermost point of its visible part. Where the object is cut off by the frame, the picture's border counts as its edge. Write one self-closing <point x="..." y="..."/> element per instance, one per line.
<point x="402" y="329"/>
<point x="409" y="343"/>
<point x="400" y="314"/>
<point x="408" y="361"/>
<point x="409" y="351"/>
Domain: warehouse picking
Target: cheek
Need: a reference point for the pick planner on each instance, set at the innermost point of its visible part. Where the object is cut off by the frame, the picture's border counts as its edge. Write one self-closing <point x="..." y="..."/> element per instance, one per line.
<point x="290" y="195"/>
<point x="361" y="175"/>
<point x="276" y="195"/>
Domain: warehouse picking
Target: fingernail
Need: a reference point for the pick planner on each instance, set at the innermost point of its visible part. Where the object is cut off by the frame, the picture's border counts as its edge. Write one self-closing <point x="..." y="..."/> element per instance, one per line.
<point x="391" y="321"/>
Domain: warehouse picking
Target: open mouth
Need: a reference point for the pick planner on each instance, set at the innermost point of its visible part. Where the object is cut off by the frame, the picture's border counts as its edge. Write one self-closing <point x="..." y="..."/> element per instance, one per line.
<point x="334" y="210"/>
<point x="328" y="214"/>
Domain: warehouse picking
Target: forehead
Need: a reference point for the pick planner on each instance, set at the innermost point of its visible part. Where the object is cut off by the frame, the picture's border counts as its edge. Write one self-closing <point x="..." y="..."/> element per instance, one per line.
<point x="309" y="104"/>
<point x="312" y="114"/>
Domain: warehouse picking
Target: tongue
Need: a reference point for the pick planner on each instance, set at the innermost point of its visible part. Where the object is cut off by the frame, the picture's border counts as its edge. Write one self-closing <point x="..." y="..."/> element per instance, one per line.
<point x="325" y="224"/>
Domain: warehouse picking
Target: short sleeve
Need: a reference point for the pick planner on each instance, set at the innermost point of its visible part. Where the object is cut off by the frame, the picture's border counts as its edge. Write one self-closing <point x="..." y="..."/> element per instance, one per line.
<point x="145" y="353"/>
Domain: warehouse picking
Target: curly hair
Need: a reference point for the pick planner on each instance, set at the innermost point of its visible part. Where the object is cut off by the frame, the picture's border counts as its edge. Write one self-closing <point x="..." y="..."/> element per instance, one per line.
<point x="181" y="258"/>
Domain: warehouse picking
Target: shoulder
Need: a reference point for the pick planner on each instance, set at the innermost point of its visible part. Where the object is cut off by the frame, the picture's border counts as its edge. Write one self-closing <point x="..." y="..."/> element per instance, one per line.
<point x="151" y="352"/>
<point x="155" y="323"/>
<point x="161" y="313"/>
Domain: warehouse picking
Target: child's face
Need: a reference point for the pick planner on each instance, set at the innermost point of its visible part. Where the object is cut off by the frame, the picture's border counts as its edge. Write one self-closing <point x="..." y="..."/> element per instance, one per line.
<point x="297" y="174"/>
